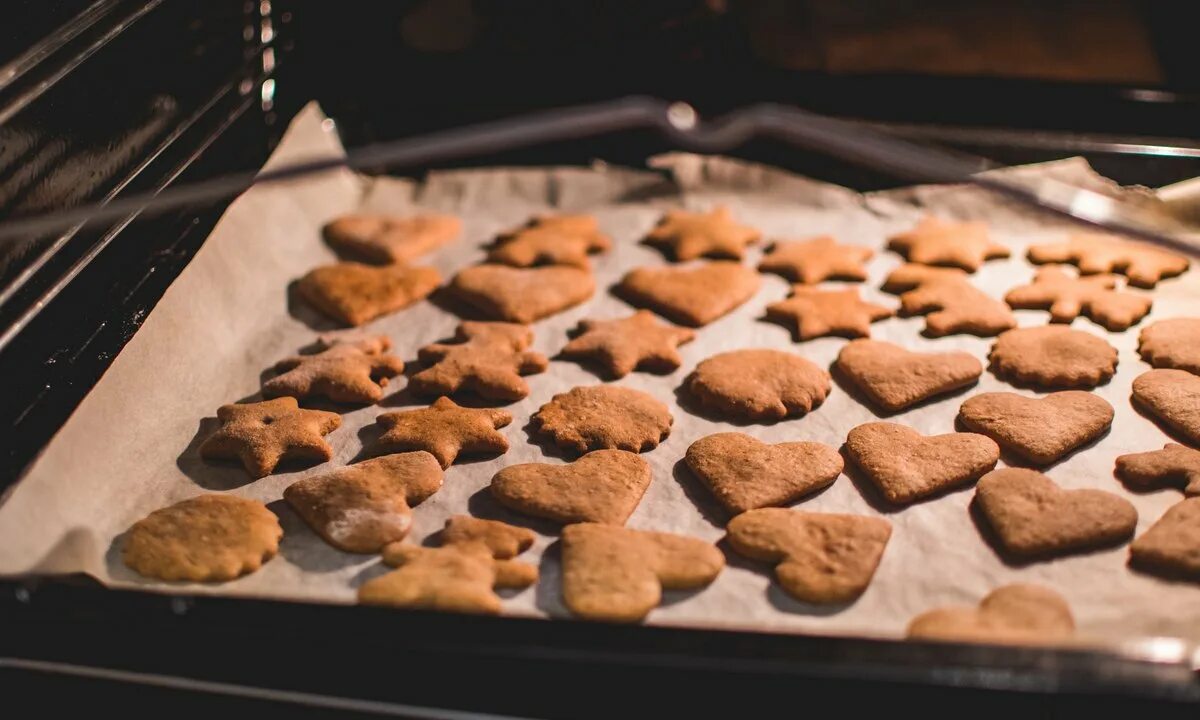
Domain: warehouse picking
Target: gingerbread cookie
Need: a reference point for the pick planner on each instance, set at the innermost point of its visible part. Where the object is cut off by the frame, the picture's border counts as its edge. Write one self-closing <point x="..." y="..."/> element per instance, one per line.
<point x="390" y="239"/>
<point x="1143" y="264"/>
<point x="949" y="302"/>
<point x="444" y="429"/>
<point x="941" y="242"/>
<point x="346" y="372"/>
<point x="602" y="416"/>
<point x="688" y="235"/>
<point x="691" y="296"/>
<point x="745" y="473"/>
<point x="1173" y="466"/>
<point x="820" y="258"/>
<point x="1018" y="614"/>
<point x="1171" y="546"/>
<point x="504" y="540"/>
<point x="1172" y="397"/>
<point x="355" y="293"/>
<point x="1034" y="517"/>
<point x="1039" y="430"/>
<point x="814" y="313"/>
<point x="819" y="557"/>
<point x="551" y="240"/>
<point x="758" y="385"/>
<point x="1068" y="297"/>
<point x="208" y="538"/>
<point x="487" y="358"/>
<point x="907" y="466"/>
<point x="617" y="574"/>
<point x="636" y="342"/>
<point x="1053" y="357"/>
<point x="522" y="295"/>
<point x="362" y="507"/>
<point x="1173" y="343"/>
<point x="895" y="378"/>
<point x="604" y="486"/>
<point x="262" y="434"/>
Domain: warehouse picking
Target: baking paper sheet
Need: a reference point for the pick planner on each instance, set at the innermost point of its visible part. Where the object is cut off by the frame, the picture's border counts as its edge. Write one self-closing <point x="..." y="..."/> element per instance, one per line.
<point x="130" y="448"/>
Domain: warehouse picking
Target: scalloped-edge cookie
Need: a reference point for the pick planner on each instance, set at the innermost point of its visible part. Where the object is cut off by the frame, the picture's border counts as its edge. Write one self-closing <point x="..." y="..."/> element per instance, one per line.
<point x="1053" y="357"/>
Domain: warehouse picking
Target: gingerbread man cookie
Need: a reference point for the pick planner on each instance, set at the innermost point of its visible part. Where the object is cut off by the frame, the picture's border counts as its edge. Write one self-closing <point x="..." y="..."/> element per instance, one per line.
<point x="1068" y="297"/>
<point x="444" y="429"/>
<point x="346" y="372"/>
<point x="390" y="239"/>
<point x="1143" y="264"/>
<point x="1173" y="466"/>
<point x="262" y="434"/>
<point x="758" y="385"/>
<point x="604" y="486"/>
<point x="814" y="313"/>
<point x="1018" y="614"/>
<point x="627" y="344"/>
<point x="935" y="241"/>
<point x="690" y="235"/>
<point x="504" y="540"/>
<point x="551" y="240"/>
<point x="354" y="293"/>
<point x="1173" y="343"/>
<point x="603" y="416"/>
<point x="522" y="295"/>
<point x="487" y="358"/>
<point x="949" y="302"/>
<point x="694" y="295"/>
<point x="821" y="258"/>
<point x="1053" y="357"/>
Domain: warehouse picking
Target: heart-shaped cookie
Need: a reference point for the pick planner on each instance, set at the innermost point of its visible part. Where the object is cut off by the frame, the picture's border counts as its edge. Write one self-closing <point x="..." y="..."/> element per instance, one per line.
<point x="745" y="473"/>
<point x="1171" y="546"/>
<point x="1040" y="430"/>
<point x="819" y="557"/>
<point x="1019" y="614"/>
<point x="694" y="295"/>
<point x="1172" y="396"/>
<point x="355" y="293"/>
<point x="603" y="487"/>
<point x="907" y="466"/>
<point x="522" y="295"/>
<point x="895" y="378"/>
<point x="1034" y="517"/>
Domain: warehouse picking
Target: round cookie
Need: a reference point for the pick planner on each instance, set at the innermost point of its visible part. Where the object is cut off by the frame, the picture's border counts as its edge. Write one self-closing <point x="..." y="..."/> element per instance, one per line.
<point x="1053" y="357"/>
<point x="758" y="385"/>
<point x="604" y="417"/>
<point x="208" y="538"/>
<point x="1173" y="343"/>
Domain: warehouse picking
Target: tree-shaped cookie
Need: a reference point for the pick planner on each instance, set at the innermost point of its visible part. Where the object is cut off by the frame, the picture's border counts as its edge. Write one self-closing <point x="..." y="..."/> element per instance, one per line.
<point x="444" y="429"/>
<point x="1069" y="297"/>
<point x="263" y="433"/>
<point x="345" y="371"/>
<point x="942" y="242"/>
<point x="813" y="313"/>
<point x="627" y="344"/>
<point x="820" y="258"/>
<point x="1143" y="264"/>
<point x="690" y="235"/>
<point x="487" y="358"/>
<point x="949" y="302"/>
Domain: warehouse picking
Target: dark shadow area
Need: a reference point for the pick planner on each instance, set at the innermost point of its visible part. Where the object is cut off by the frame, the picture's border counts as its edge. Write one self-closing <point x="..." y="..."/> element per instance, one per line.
<point x="444" y="299"/>
<point x="545" y="443"/>
<point x="548" y="590"/>
<point x="302" y="547"/>
<point x="483" y="505"/>
<point x="214" y="475"/>
<point x="700" y="496"/>
<point x="301" y="310"/>
<point x="370" y="572"/>
<point x="689" y="404"/>
<point x="368" y="437"/>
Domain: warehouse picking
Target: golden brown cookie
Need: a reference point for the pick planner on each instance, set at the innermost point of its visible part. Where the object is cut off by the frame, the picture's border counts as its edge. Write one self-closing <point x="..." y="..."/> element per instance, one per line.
<point x="262" y="434"/>
<point x="1143" y="264"/>
<point x="551" y="240"/>
<point x="745" y="473"/>
<point x="907" y="466"/>
<point x="942" y="242"/>
<point x="208" y="538"/>
<point x="1174" y="466"/>
<point x="895" y="378"/>
<point x="1173" y="398"/>
<point x="355" y="293"/>
<point x="820" y="258"/>
<point x="487" y="358"/>
<point x="693" y="295"/>
<point x="1069" y="297"/>
<point x="603" y="416"/>
<point x="758" y="385"/>
<point x="627" y="344"/>
<point x="1173" y="343"/>
<point x="391" y="239"/>
<point x="1033" y="517"/>
<point x="617" y="574"/>
<point x="444" y="429"/>
<point x="522" y="295"/>
<point x="1039" y="430"/>
<point x="604" y="486"/>
<point x="819" y="557"/>
<point x="1171" y="546"/>
<point x="813" y="313"/>
<point x="345" y="371"/>
<point x="504" y="540"/>
<point x="690" y="235"/>
<point x="949" y="302"/>
<point x="1018" y="614"/>
<point x="1053" y="357"/>
<point x="362" y="507"/>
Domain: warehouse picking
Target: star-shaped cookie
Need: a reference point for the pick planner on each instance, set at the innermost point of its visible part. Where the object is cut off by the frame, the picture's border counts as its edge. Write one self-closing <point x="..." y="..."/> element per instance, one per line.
<point x="1069" y="297"/>
<point x="488" y="358"/>
<point x="444" y="429"/>
<point x="816" y="313"/>
<point x="263" y="433"/>
<point x="347" y="372"/>
<point x="1093" y="253"/>
<point x="551" y="240"/>
<point x="624" y="345"/>
<point x="820" y="258"/>
<point x="941" y="242"/>
<point x="689" y="235"/>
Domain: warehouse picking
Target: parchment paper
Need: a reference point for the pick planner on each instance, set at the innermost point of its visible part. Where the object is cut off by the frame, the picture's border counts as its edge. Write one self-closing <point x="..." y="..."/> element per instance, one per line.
<point x="130" y="448"/>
